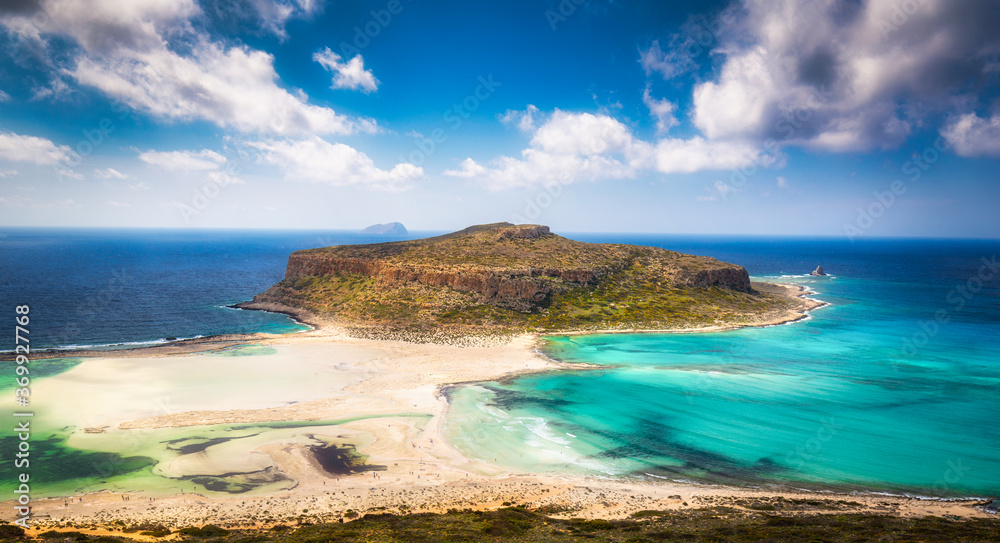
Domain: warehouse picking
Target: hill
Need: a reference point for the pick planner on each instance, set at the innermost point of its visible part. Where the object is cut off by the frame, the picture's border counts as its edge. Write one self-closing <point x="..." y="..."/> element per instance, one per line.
<point x="516" y="278"/>
<point x="392" y="228"/>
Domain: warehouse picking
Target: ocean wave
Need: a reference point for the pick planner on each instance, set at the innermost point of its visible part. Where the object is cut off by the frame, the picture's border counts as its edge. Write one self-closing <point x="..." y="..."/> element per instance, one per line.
<point x="540" y="427"/>
<point x="112" y="346"/>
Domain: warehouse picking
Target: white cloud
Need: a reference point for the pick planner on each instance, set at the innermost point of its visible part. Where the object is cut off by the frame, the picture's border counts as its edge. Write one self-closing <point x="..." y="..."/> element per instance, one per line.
<point x="350" y="75"/>
<point x="581" y="133"/>
<point x="718" y="191"/>
<point x="14" y="201"/>
<point x="232" y="88"/>
<point x="698" y="154"/>
<point x="4" y="97"/>
<point x="467" y="169"/>
<point x="661" y="110"/>
<point x="109" y="173"/>
<point x="971" y="135"/>
<point x="65" y="172"/>
<point x="274" y="14"/>
<point x="570" y="147"/>
<point x="103" y="26"/>
<point x="782" y="182"/>
<point x="4" y="174"/>
<point x="184" y="160"/>
<point x="319" y="161"/>
<point x="126" y="53"/>
<point x="669" y="64"/>
<point x="523" y="120"/>
<point x="842" y="76"/>
<point x="19" y="148"/>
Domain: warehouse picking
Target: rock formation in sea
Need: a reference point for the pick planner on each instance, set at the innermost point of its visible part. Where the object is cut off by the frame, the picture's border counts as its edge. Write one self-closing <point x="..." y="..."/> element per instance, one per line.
<point x="387" y="229"/>
<point x="818" y="271"/>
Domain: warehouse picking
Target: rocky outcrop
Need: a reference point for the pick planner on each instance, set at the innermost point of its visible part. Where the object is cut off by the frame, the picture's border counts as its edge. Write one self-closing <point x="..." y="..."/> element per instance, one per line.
<point x="388" y="229"/>
<point x="818" y="271"/>
<point x="726" y="276"/>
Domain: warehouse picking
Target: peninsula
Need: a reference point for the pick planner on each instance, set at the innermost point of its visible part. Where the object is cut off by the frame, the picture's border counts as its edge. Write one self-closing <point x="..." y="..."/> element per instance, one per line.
<point x="519" y="278"/>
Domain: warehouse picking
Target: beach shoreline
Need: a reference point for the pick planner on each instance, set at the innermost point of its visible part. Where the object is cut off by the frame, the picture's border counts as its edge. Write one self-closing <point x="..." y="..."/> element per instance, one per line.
<point x="804" y="305"/>
<point x="395" y="394"/>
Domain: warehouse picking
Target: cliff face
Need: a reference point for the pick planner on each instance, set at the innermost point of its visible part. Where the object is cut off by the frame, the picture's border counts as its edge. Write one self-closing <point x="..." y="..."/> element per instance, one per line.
<point x="518" y="289"/>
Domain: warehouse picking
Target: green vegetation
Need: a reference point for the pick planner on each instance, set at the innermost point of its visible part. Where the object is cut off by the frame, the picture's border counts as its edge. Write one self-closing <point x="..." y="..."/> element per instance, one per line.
<point x="518" y="524"/>
<point x="507" y="279"/>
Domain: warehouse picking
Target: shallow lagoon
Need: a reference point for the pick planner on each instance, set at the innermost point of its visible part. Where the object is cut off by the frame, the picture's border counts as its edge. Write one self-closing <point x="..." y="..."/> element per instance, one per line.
<point x="832" y="402"/>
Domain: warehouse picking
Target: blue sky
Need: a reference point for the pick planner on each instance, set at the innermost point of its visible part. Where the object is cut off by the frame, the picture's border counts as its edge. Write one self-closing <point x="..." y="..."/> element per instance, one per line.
<point x="817" y="117"/>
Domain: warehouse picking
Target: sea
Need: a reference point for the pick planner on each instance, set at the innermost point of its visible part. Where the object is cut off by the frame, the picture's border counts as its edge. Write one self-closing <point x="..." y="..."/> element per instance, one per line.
<point x="890" y="388"/>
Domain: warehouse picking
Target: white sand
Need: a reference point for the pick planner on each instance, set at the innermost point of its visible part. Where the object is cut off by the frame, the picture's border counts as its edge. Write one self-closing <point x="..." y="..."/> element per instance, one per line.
<point x="390" y="392"/>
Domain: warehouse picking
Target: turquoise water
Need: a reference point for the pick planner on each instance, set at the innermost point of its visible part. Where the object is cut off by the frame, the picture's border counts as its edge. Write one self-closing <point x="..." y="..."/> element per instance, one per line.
<point x="843" y="401"/>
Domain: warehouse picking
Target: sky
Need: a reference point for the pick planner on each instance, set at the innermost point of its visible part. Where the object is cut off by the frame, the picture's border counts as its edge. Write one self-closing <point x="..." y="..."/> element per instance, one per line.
<point x="856" y="118"/>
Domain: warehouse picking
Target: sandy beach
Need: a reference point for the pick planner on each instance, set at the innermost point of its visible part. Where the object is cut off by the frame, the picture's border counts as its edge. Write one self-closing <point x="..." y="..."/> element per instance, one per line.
<point x="383" y="399"/>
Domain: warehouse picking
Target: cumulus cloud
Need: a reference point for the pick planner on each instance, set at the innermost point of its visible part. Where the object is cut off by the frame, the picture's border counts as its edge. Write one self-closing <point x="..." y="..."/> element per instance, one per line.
<point x="971" y="135"/>
<point x="184" y="160"/>
<point x="319" y="161"/>
<point x="467" y="169"/>
<point x="20" y="148"/>
<point x="350" y="75"/>
<point x="698" y="154"/>
<point x="570" y="147"/>
<point x="843" y="76"/>
<point x="126" y="53"/>
<point x="523" y="120"/>
<point x="661" y="110"/>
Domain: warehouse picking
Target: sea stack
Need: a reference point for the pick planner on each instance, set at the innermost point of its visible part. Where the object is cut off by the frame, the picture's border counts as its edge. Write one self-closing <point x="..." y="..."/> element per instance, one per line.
<point x="818" y="271"/>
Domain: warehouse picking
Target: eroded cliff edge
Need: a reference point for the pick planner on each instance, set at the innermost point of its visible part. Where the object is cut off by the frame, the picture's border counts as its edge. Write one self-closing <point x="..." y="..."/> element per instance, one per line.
<point x="514" y="277"/>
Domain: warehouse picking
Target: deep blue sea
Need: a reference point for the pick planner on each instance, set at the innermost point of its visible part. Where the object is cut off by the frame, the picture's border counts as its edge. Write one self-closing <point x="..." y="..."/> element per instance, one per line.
<point x="893" y="387"/>
<point x="104" y="287"/>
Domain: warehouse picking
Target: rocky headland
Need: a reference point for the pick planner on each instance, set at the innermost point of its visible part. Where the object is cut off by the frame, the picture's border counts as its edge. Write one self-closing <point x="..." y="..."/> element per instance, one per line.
<point x="515" y="278"/>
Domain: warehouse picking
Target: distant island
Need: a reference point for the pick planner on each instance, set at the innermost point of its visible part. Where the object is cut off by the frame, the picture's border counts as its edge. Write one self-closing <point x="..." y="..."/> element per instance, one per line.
<point x="519" y="278"/>
<point x="387" y="229"/>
